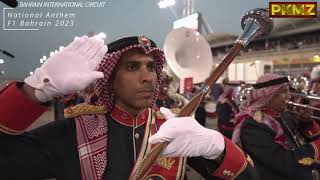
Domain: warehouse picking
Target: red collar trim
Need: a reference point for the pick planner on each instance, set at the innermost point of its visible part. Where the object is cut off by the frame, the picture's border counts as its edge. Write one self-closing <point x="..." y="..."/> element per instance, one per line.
<point x="271" y="112"/>
<point x="128" y="119"/>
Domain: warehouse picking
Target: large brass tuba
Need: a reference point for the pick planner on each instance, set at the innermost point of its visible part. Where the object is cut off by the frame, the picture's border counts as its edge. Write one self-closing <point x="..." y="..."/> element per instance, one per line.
<point x="188" y="54"/>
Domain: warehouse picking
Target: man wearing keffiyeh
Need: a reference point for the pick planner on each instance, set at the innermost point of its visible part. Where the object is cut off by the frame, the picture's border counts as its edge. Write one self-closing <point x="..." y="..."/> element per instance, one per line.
<point x="226" y="110"/>
<point x="265" y="136"/>
<point x="108" y="135"/>
<point x="314" y="88"/>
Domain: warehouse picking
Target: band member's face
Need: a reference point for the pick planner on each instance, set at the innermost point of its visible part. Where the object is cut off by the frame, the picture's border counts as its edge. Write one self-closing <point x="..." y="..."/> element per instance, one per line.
<point x="278" y="102"/>
<point x="135" y="81"/>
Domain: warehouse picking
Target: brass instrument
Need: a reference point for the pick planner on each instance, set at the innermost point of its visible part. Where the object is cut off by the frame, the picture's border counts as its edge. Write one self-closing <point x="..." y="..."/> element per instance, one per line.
<point x="167" y="89"/>
<point x="178" y="98"/>
<point x="244" y="92"/>
<point x="300" y="84"/>
<point x="305" y="96"/>
<point x="301" y="97"/>
<point x="303" y="106"/>
<point x="314" y="112"/>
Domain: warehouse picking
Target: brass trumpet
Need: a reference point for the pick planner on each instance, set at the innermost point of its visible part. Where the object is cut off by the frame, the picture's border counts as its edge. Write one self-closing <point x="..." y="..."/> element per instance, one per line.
<point x="302" y="106"/>
<point x="308" y="107"/>
<point x="305" y="96"/>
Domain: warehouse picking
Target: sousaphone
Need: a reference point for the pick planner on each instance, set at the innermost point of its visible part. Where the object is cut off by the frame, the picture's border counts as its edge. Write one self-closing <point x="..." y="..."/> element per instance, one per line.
<point x="188" y="54"/>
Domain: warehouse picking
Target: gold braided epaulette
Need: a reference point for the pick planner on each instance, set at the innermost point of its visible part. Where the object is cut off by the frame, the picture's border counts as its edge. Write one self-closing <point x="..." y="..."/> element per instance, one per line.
<point x="159" y="115"/>
<point x="83" y="109"/>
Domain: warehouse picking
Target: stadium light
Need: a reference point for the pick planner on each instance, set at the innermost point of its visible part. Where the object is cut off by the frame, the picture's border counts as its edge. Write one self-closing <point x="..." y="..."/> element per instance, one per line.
<point x="166" y="3"/>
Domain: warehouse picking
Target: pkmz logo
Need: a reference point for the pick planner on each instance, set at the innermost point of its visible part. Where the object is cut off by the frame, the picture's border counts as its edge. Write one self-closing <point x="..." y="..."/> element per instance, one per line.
<point x="293" y="9"/>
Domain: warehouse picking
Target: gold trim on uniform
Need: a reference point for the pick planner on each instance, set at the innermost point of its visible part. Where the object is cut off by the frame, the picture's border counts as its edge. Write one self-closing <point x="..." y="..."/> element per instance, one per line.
<point x="83" y="109"/>
<point x="181" y="169"/>
<point x="244" y="164"/>
<point x="316" y="152"/>
<point x="7" y="130"/>
<point x="165" y="162"/>
<point x="145" y="146"/>
<point x="228" y="173"/>
<point x="307" y="161"/>
<point x="250" y="161"/>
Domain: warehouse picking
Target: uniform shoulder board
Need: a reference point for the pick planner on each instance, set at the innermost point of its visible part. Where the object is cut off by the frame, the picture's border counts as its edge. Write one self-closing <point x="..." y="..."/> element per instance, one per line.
<point x="159" y="115"/>
<point x="83" y="109"/>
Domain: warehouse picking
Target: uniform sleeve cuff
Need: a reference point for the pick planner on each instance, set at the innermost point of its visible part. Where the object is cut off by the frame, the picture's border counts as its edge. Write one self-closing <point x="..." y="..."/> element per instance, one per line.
<point x="316" y="147"/>
<point x="313" y="131"/>
<point x="233" y="163"/>
<point x="17" y="112"/>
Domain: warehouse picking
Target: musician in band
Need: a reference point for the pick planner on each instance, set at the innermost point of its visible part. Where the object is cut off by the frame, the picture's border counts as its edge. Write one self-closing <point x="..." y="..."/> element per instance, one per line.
<point x="315" y="89"/>
<point x="106" y="137"/>
<point x="174" y="101"/>
<point x="266" y="137"/>
<point x="163" y="99"/>
<point x="226" y="110"/>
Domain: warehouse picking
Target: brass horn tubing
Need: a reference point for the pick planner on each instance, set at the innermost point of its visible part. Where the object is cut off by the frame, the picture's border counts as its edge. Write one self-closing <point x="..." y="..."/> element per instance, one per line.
<point x="302" y="106"/>
<point x="306" y="96"/>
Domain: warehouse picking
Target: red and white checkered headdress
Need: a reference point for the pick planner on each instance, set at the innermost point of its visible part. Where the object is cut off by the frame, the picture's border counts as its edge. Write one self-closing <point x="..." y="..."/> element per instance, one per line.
<point x="103" y="87"/>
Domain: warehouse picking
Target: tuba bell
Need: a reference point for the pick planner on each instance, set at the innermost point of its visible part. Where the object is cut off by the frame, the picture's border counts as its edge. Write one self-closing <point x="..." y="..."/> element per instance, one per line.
<point x="188" y="54"/>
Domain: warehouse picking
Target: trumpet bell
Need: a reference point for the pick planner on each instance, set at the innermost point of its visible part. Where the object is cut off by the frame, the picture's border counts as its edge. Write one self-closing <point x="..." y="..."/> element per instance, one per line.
<point x="188" y="54"/>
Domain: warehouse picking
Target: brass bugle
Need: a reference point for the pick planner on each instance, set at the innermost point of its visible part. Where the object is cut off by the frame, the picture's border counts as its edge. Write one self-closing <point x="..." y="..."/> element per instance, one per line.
<point x="305" y="96"/>
<point x="303" y="106"/>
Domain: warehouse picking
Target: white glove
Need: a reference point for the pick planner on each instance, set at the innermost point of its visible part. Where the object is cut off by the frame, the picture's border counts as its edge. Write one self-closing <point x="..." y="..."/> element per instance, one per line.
<point x="70" y="70"/>
<point x="187" y="138"/>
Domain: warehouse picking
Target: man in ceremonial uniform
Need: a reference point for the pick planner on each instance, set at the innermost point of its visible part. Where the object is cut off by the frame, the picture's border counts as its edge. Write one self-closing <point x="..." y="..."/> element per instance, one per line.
<point x="106" y="137"/>
<point x="163" y="99"/>
<point x="267" y="138"/>
<point x="226" y="110"/>
<point x="315" y="89"/>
